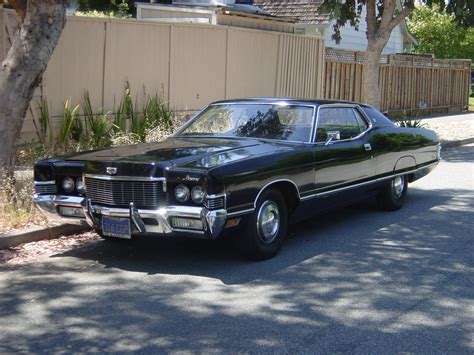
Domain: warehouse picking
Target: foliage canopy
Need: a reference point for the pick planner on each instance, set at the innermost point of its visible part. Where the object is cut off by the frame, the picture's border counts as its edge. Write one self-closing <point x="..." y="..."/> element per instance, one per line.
<point x="440" y="34"/>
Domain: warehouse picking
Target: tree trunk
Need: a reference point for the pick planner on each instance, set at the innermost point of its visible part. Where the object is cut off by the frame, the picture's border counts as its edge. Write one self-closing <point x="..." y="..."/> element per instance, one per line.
<point x="370" y="75"/>
<point x="22" y="69"/>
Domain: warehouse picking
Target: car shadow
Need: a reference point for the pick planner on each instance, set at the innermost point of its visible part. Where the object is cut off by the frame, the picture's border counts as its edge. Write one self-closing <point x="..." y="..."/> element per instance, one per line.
<point x="462" y="154"/>
<point x="325" y="233"/>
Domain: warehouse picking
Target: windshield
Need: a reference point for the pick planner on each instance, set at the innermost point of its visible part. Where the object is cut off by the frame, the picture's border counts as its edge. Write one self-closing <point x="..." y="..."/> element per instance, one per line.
<point x="289" y="122"/>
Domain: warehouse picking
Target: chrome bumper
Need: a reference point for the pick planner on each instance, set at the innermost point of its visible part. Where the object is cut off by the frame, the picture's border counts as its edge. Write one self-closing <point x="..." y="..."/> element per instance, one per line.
<point x="213" y="221"/>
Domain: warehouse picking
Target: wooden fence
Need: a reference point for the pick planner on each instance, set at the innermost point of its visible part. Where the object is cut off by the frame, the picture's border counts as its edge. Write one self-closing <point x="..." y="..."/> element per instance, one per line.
<point x="411" y="83"/>
<point x="190" y="65"/>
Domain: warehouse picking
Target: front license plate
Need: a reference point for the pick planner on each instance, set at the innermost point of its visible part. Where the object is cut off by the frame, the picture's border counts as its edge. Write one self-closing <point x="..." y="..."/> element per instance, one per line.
<point x="116" y="227"/>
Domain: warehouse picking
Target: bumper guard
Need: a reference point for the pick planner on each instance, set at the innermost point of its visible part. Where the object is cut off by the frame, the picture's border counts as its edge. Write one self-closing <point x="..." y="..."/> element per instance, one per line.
<point x="213" y="221"/>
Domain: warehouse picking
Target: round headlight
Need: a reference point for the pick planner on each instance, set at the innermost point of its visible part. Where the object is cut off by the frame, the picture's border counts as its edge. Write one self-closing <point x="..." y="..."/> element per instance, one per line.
<point x="181" y="192"/>
<point x="80" y="187"/>
<point x="68" y="184"/>
<point x="198" y="194"/>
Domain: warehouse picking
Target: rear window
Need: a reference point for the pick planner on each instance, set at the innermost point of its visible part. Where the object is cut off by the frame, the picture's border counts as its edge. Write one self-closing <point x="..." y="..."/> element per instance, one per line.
<point x="377" y="117"/>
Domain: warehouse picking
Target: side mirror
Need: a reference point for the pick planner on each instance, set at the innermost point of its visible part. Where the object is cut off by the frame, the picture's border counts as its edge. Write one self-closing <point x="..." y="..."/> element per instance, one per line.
<point x="331" y="135"/>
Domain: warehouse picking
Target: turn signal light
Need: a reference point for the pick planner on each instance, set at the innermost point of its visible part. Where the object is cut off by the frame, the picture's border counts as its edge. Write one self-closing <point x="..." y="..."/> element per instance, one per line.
<point x="187" y="223"/>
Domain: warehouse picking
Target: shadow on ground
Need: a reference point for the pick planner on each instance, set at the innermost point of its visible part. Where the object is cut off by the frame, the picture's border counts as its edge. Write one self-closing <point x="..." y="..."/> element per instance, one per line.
<point x="358" y="281"/>
<point x="221" y="260"/>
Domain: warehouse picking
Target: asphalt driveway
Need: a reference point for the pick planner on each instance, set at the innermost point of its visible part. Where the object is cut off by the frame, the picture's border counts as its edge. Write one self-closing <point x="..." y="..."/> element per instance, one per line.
<point x="357" y="280"/>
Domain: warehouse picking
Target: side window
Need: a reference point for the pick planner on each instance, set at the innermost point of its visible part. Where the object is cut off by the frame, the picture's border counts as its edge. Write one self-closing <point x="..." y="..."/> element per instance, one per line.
<point x="340" y="123"/>
<point x="362" y="123"/>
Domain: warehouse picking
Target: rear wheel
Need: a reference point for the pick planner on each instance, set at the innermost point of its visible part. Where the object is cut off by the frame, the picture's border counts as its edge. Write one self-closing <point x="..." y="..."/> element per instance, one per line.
<point x="393" y="196"/>
<point x="265" y="231"/>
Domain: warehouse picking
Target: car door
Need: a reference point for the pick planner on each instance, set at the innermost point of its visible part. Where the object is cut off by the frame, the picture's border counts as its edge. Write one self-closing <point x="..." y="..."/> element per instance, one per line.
<point x="343" y="153"/>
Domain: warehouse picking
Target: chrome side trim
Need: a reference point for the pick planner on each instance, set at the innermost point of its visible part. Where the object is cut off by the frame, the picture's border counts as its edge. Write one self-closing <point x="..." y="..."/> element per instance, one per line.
<point x="49" y="182"/>
<point x="365" y="183"/>
<point x="274" y="182"/>
<point x="238" y="213"/>
<point x="124" y="178"/>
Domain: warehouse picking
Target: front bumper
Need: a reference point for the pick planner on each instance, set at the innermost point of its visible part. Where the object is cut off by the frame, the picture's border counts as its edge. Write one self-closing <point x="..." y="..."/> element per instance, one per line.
<point x="144" y="221"/>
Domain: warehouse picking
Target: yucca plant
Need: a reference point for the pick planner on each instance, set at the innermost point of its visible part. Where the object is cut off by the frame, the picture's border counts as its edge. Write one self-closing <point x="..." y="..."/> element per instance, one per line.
<point x="124" y="112"/>
<point x="157" y="113"/>
<point x="71" y="126"/>
<point x="405" y="121"/>
<point x="97" y="125"/>
<point x="43" y="125"/>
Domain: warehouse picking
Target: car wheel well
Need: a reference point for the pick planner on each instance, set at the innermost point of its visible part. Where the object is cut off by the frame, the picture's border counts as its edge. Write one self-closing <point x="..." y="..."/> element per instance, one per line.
<point x="289" y="192"/>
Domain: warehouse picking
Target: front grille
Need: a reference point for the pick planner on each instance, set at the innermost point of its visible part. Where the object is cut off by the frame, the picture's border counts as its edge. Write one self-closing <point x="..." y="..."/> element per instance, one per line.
<point x="143" y="194"/>
<point x="215" y="203"/>
<point x="49" y="189"/>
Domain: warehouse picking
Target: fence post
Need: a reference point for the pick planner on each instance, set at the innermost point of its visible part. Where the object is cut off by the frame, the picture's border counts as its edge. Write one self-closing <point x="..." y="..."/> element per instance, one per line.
<point x="431" y="85"/>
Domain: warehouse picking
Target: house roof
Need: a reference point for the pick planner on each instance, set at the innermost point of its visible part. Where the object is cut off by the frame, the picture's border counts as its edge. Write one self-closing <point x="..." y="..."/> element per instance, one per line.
<point x="305" y="11"/>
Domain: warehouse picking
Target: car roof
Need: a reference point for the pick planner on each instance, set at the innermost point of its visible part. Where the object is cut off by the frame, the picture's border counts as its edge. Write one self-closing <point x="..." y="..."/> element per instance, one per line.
<point x="269" y="100"/>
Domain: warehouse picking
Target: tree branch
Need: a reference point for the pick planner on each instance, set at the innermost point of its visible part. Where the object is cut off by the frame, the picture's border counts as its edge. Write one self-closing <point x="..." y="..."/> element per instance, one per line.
<point x="387" y="15"/>
<point x="19" y="6"/>
<point x="371" y="19"/>
<point x="407" y="10"/>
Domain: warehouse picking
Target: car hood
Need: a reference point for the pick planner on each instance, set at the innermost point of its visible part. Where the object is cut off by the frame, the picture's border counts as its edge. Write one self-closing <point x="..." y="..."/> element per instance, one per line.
<point x="172" y="151"/>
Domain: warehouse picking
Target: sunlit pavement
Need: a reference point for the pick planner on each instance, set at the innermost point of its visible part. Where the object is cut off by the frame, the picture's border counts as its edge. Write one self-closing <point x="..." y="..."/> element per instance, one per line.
<point x="358" y="280"/>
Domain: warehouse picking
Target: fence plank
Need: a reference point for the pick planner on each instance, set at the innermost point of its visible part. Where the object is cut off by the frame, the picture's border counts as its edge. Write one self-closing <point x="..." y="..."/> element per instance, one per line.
<point x="407" y="82"/>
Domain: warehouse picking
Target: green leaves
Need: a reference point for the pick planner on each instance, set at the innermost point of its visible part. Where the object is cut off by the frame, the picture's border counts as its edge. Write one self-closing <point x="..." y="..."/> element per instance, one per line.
<point x="97" y="125"/>
<point x="71" y="127"/>
<point x="92" y="130"/>
<point x="44" y="125"/>
<point x="438" y="33"/>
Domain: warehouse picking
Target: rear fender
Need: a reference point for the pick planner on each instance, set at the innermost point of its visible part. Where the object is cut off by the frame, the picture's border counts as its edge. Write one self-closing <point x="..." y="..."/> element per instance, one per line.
<point x="405" y="163"/>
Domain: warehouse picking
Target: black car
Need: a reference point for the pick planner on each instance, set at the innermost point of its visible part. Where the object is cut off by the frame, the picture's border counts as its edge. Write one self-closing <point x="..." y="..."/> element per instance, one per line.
<point x="240" y="167"/>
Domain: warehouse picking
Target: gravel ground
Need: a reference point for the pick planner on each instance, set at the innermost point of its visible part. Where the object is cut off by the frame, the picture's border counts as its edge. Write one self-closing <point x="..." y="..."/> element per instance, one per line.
<point x="453" y="127"/>
<point x="28" y="253"/>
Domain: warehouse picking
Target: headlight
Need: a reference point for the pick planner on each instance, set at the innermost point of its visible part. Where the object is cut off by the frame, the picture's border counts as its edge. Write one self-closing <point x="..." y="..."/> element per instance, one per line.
<point x="80" y="187"/>
<point x="181" y="192"/>
<point x="68" y="184"/>
<point x="198" y="194"/>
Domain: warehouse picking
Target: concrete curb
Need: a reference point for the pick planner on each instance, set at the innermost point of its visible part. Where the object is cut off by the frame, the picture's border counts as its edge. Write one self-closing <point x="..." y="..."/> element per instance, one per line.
<point x="453" y="144"/>
<point x="34" y="234"/>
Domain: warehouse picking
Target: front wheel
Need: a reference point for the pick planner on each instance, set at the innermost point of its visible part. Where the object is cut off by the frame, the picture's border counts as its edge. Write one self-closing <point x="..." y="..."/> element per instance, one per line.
<point x="265" y="231"/>
<point x="393" y="196"/>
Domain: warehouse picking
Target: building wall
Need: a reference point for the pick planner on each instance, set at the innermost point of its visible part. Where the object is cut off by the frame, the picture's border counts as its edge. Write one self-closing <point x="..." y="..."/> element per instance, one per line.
<point x="357" y="40"/>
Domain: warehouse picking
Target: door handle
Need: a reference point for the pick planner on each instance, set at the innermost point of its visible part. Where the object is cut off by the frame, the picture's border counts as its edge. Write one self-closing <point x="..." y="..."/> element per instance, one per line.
<point x="367" y="147"/>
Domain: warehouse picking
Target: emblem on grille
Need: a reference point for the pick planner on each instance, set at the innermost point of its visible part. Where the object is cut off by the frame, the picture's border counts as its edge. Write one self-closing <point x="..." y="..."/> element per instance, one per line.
<point x="191" y="178"/>
<point x="111" y="170"/>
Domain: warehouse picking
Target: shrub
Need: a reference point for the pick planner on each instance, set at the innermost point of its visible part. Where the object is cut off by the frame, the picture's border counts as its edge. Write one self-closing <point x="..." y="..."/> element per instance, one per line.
<point x="97" y="125"/>
<point x="406" y="121"/>
<point x="16" y="207"/>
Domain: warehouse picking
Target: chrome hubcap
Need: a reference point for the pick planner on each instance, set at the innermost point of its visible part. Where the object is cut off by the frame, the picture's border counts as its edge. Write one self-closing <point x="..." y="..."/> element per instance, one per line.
<point x="398" y="185"/>
<point x="268" y="221"/>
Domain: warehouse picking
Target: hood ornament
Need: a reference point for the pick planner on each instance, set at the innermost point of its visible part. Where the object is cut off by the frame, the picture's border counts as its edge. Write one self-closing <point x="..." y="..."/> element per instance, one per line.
<point x="111" y="170"/>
